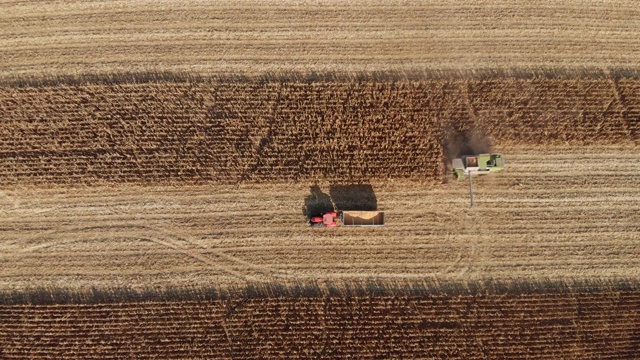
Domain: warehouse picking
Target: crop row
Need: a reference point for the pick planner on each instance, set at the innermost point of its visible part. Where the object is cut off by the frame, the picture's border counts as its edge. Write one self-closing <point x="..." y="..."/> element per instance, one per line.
<point x="523" y="326"/>
<point x="236" y="132"/>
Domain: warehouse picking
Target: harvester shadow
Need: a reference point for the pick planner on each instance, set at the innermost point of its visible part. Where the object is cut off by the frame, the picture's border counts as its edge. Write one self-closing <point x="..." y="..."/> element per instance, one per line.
<point x="317" y="203"/>
<point x="353" y="197"/>
<point x="459" y="143"/>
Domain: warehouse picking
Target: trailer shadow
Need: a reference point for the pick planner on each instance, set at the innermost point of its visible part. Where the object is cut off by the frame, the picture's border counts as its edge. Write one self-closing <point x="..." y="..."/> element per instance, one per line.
<point x="353" y="197"/>
<point x="317" y="203"/>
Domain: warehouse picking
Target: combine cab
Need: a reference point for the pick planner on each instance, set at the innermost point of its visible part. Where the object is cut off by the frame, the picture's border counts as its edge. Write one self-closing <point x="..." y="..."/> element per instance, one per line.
<point x="482" y="164"/>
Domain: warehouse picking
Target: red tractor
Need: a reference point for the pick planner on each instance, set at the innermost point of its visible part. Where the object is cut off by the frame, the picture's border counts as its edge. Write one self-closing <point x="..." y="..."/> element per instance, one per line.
<point x="328" y="220"/>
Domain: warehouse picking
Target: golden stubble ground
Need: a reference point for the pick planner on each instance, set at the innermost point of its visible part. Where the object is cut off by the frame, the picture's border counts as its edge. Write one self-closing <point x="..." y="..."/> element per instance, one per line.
<point x="80" y="37"/>
<point x="555" y="213"/>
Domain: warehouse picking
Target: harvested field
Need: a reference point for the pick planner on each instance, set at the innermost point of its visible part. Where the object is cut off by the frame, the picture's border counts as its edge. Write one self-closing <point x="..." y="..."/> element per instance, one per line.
<point x="553" y="218"/>
<point x="237" y="37"/>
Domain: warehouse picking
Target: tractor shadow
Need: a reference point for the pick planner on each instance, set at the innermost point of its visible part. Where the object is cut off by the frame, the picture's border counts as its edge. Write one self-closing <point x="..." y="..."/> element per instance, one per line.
<point x="353" y="197"/>
<point x="317" y="203"/>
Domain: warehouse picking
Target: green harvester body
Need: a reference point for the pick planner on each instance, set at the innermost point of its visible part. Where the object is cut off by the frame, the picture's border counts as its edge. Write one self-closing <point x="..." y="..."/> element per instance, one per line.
<point x="481" y="164"/>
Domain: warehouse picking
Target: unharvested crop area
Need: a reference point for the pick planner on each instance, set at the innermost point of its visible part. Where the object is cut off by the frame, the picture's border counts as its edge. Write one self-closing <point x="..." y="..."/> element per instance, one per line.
<point x="233" y="132"/>
<point x="507" y="326"/>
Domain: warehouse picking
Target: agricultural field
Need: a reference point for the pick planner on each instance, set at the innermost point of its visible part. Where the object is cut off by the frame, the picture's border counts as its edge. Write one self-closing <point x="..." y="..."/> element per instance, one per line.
<point x="552" y="219"/>
<point x="505" y="326"/>
<point x="159" y="159"/>
<point x="549" y="222"/>
<point x="259" y="37"/>
<point x="249" y="131"/>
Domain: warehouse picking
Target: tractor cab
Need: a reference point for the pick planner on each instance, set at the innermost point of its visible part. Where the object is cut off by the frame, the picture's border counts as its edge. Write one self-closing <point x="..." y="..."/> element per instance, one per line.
<point x="326" y="220"/>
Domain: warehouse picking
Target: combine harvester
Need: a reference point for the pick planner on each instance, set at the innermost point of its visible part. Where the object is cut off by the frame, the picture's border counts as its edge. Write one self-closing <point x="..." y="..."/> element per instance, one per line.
<point x="471" y="165"/>
<point x="348" y="218"/>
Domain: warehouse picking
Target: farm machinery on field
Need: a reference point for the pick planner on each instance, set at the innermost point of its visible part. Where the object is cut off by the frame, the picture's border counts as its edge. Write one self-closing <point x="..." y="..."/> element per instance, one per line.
<point x="481" y="164"/>
<point x="466" y="166"/>
<point x="348" y="218"/>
